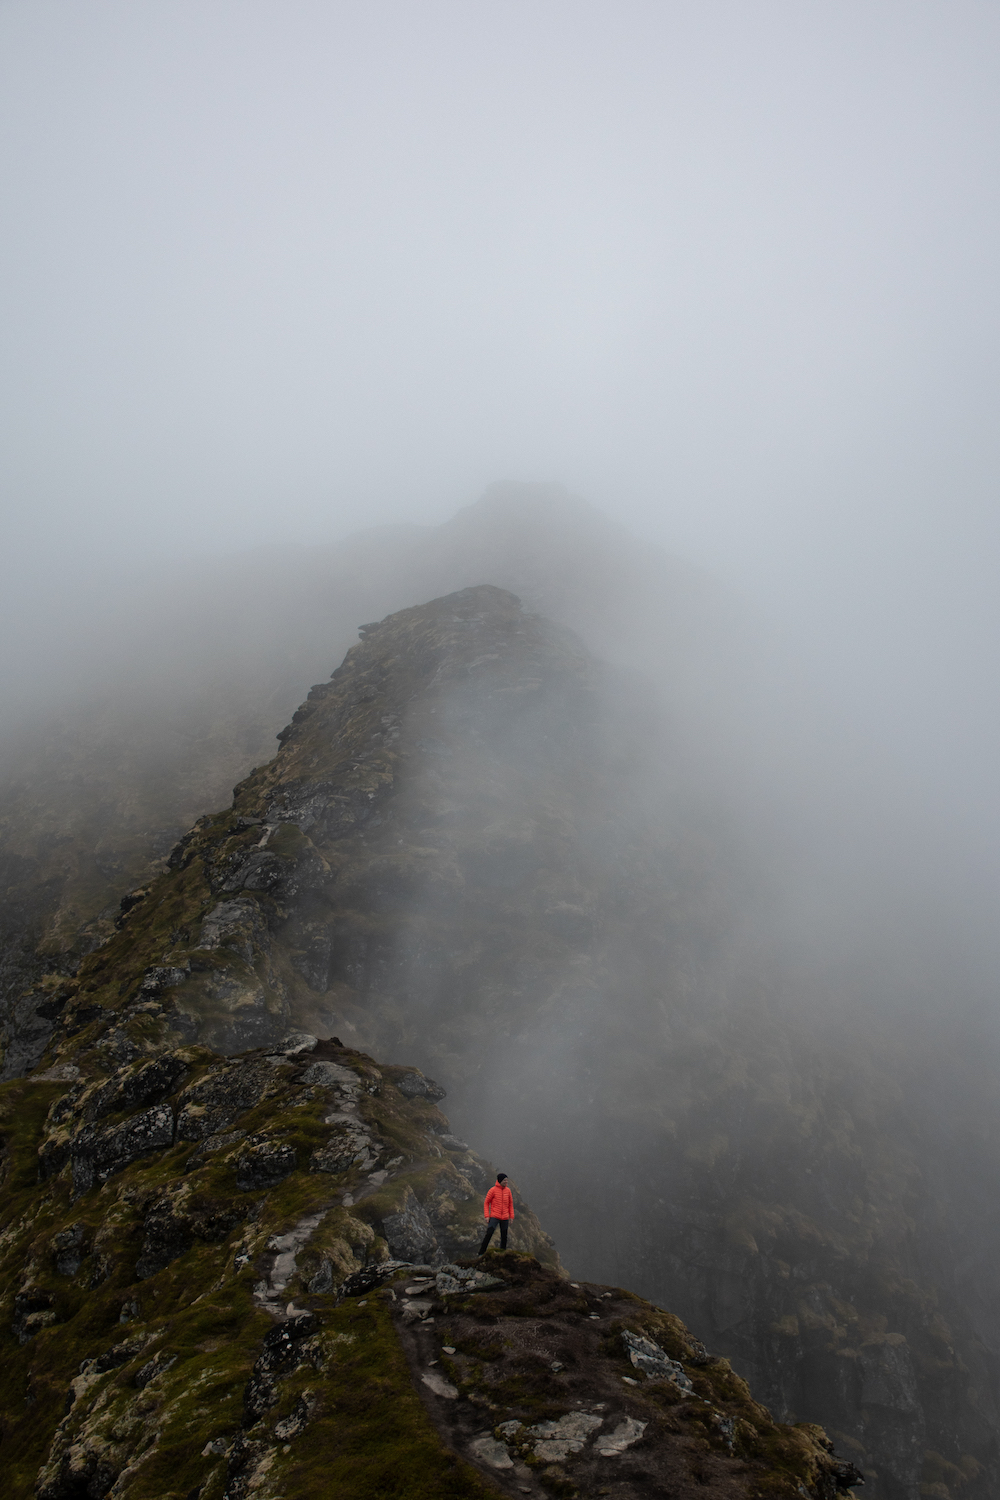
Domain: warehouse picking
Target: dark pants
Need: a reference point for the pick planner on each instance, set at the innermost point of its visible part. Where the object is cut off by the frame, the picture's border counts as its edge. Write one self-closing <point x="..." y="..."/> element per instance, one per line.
<point x="489" y="1234"/>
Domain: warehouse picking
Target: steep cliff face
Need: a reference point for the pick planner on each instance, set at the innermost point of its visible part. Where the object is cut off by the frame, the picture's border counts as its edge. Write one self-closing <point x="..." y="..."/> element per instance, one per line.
<point x="477" y="847"/>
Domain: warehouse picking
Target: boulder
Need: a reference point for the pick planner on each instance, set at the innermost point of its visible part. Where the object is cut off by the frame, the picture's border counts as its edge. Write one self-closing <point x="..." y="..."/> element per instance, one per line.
<point x="408" y="1232"/>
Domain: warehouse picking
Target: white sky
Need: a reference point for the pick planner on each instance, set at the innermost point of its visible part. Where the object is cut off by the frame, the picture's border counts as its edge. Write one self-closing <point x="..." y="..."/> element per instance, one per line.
<point x="274" y="271"/>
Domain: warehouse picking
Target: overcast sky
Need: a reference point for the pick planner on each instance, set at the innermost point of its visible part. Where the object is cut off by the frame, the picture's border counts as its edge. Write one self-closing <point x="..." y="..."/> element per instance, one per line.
<point x="274" y="271"/>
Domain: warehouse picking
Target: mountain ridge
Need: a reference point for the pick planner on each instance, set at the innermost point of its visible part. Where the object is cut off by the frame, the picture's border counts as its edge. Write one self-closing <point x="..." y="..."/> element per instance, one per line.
<point x="477" y="847"/>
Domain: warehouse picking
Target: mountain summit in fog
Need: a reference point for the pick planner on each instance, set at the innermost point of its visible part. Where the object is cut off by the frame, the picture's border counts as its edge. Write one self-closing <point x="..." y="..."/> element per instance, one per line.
<point x="145" y="719"/>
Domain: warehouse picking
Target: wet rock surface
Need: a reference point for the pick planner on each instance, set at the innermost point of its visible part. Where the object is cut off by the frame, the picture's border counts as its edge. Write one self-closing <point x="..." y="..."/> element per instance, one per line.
<point x="534" y="1379"/>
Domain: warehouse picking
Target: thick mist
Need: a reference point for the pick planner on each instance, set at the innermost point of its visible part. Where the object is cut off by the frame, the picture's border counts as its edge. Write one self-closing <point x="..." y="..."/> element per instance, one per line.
<point x="285" y="289"/>
<point x="679" y="323"/>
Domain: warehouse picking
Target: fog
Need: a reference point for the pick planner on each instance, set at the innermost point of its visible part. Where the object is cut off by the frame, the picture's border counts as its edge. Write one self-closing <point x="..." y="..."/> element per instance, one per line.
<point x="273" y="275"/>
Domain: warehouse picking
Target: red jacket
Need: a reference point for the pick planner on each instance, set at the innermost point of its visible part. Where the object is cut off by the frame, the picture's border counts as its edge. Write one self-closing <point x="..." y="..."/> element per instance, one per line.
<point x="499" y="1202"/>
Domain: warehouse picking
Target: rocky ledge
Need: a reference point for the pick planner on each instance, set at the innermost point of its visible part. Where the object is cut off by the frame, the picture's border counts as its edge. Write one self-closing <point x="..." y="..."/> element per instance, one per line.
<point x="554" y="1387"/>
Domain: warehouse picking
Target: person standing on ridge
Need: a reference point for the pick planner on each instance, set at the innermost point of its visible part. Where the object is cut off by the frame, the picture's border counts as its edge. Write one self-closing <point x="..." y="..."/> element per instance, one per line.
<point x="498" y="1208"/>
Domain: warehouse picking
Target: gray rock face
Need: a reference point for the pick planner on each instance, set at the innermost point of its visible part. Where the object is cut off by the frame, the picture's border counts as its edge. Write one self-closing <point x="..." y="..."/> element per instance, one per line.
<point x="415" y="1085"/>
<point x="345" y="1149"/>
<point x="331" y="1075"/>
<point x="212" y="1104"/>
<point x="171" y="1227"/>
<point x="158" y="1365"/>
<point x="143" y="1086"/>
<point x="551" y="1442"/>
<point x="409" y="1233"/>
<point x="627" y="1432"/>
<point x="297" y="1043"/>
<point x="891" y="1411"/>
<point x="238" y="925"/>
<point x="264" y="1164"/>
<point x="648" y="1357"/>
<point x="452" y="1143"/>
<point x="98" y="1153"/>
<point x="281" y="1352"/>
<point x="157" y="979"/>
<point x="28" y="1026"/>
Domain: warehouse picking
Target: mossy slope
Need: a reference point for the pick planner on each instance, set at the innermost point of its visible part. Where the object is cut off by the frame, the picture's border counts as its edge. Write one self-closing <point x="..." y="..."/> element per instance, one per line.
<point x="135" y="1309"/>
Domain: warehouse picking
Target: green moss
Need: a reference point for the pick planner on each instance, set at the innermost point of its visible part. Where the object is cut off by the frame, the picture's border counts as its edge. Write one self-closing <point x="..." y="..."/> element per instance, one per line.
<point x="372" y="1435"/>
<point x="23" y="1109"/>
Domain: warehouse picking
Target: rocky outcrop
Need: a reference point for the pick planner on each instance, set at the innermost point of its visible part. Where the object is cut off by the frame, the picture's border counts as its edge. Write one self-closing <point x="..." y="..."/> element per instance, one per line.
<point x="552" y="1386"/>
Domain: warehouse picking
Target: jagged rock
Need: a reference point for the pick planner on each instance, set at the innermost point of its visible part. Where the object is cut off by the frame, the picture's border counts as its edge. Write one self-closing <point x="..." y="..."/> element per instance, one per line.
<point x="152" y="1368"/>
<point x="648" y="1357"/>
<point x="215" y="1143"/>
<point x="281" y="1350"/>
<point x="173" y="1224"/>
<point x="147" y="1084"/>
<point x="451" y="1279"/>
<point x="298" y="1420"/>
<point x="80" y="1472"/>
<point x="409" y="1233"/>
<point x="326" y="1074"/>
<point x="97" y="1153"/>
<point x="212" y="1104"/>
<point x="167" y="1236"/>
<point x="298" y="1044"/>
<point x="345" y="1149"/>
<point x="323" y="1280"/>
<point x="486" y="1450"/>
<point x="369" y="1277"/>
<point x="244" y="1456"/>
<point x="238" y="925"/>
<point x="157" y="979"/>
<point x="264" y="1164"/>
<point x="414" y="1085"/>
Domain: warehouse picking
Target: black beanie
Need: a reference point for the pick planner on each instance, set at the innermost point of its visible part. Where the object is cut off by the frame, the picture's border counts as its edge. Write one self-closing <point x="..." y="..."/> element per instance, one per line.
<point x="501" y="1177"/>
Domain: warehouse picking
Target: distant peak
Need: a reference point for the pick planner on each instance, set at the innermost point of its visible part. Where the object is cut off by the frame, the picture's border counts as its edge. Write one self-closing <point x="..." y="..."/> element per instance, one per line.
<point x="521" y="500"/>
